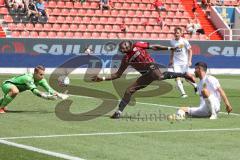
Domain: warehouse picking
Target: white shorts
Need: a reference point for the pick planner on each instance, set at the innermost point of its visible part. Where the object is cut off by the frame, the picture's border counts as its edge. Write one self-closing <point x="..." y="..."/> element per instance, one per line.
<point x="180" y="68"/>
<point x="203" y="109"/>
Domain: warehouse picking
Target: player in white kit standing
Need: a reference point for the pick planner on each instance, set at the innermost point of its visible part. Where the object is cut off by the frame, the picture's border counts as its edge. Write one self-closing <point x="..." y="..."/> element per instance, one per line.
<point x="181" y="58"/>
<point x="210" y="92"/>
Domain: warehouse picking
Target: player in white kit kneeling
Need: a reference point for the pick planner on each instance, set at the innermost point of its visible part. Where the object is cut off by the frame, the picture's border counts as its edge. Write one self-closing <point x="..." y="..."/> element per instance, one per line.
<point x="210" y="92"/>
<point x="181" y="58"/>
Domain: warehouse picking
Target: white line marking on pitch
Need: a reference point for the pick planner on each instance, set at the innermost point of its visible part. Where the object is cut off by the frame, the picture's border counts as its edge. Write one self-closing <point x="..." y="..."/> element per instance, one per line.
<point x="121" y="133"/>
<point x="38" y="150"/>
<point x="150" y="104"/>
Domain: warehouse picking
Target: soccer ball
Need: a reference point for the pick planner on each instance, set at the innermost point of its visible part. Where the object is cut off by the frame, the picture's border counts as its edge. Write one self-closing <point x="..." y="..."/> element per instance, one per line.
<point x="180" y="115"/>
<point x="63" y="80"/>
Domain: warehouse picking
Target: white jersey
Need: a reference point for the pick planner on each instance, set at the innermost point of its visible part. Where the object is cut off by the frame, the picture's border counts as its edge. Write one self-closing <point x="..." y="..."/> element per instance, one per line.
<point x="180" y="56"/>
<point x="212" y="84"/>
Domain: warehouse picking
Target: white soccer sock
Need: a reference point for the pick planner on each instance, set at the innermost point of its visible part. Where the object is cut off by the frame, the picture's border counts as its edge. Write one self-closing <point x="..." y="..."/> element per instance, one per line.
<point x="209" y="102"/>
<point x="180" y="86"/>
<point x="193" y="84"/>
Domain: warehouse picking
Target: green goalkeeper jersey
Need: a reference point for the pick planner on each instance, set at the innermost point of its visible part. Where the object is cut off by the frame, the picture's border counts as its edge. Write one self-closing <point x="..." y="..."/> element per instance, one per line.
<point x="26" y="82"/>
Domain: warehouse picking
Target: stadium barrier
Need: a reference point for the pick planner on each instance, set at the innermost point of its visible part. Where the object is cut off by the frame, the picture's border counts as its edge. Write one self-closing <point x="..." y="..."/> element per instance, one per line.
<point x="21" y="55"/>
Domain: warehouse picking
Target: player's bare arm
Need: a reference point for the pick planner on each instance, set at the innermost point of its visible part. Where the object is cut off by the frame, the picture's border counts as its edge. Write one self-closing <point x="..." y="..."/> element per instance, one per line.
<point x="160" y="47"/>
<point x="189" y="57"/>
<point x="225" y="100"/>
<point x="113" y="76"/>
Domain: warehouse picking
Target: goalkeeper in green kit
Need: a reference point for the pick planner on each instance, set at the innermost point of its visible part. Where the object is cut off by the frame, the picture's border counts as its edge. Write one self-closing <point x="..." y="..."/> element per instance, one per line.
<point x="28" y="81"/>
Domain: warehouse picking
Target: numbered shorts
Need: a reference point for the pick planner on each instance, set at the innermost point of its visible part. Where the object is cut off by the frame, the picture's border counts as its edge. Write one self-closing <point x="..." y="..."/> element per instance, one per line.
<point x="180" y="68"/>
<point x="203" y="110"/>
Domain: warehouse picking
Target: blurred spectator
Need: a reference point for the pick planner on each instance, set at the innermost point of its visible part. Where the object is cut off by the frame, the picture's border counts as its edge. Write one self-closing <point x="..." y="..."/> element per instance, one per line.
<point x="158" y="4"/>
<point x="160" y="22"/>
<point x="194" y="27"/>
<point x="198" y="28"/>
<point x="104" y="4"/>
<point x="17" y="4"/>
<point x="190" y="27"/>
<point x="41" y="8"/>
<point x="221" y="2"/>
<point x="123" y="26"/>
<point x="37" y="10"/>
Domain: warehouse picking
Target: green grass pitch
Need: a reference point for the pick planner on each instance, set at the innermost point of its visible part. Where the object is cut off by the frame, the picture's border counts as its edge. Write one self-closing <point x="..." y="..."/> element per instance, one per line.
<point x="140" y="138"/>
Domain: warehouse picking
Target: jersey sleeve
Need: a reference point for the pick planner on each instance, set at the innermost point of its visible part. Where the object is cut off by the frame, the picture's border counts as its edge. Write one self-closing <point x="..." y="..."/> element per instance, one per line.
<point x="43" y="83"/>
<point x="214" y="82"/>
<point x="187" y="44"/>
<point x="31" y="86"/>
<point x="144" y="45"/>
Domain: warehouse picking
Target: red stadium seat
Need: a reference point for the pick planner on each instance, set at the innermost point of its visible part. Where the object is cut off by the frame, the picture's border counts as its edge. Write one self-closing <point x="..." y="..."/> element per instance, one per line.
<point x="52" y="4"/>
<point x="60" y="19"/>
<point x="137" y="35"/>
<point x="114" y="13"/>
<point x="129" y="35"/>
<point x="126" y="5"/>
<point x="74" y="27"/>
<point x="86" y="20"/>
<point x="8" y="18"/>
<point x="145" y="35"/>
<point x="38" y="27"/>
<point x="60" y="34"/>
<point x="65" y="12"/>
<point x="73" y="12"/>
<point x="87" y="35"/>
<point x="95" y="20"/>
<point x="69" y="34"/>
<point x="69" y="4"/>
<point x="121" y="35"/>
<point x="139" y="13"/>
<point x="34" y="34"/>
<point x="25" y="34"/>
<point x="77" y="5"/>
<point x="142" y="6"/>
<point x="20" y="26"/>
<point x="56" y="11"/>
<point x="117" y="5"/>
<point x="52" y="35"/>
<point x="47" y="27"/>
<point x="112" y="35"/>
<point x="104" y="35"/>
<point x="99" y="27"/>
<point x="60" y="4"/>
<point x="78" y="35"/>
<point x="42" y="34"/>
<point x="65" y="27"/>
<point x="91" y="27"/>
<point x="82" y="27"/>
<point x="154" y="36"/>
<point x="4" y="10"/>
<point x="77" y="20"/>
<point x="132" y="28"/>
<point x="108" y="28"/>
<point x="29" y="26"/>
<point x="95" y="35"/>
<point x="90" y="12"/>
<point x="68" y="19"/>
<point x="52" y="19"/>
<point x="15" y="34"/>
<point x="56" y="27"/>
<point x="140" y="28"/>
<point x="116" y="28"/>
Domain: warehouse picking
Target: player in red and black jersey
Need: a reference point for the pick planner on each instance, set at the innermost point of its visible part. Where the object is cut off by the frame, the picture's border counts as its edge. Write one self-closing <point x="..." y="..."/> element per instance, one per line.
<point x="137" y="57"/>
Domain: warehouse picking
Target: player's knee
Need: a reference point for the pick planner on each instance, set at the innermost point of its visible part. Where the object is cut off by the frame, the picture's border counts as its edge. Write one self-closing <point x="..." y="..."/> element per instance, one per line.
<point x="130" y="91"/>
<point x="14" y="92"/>
<point x="205" y="93"/>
